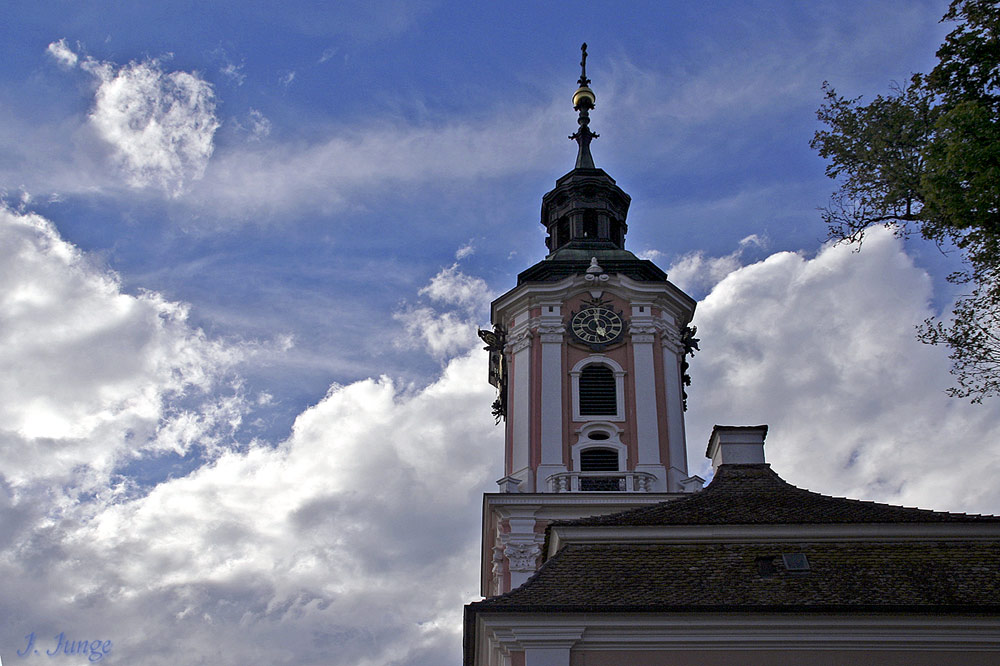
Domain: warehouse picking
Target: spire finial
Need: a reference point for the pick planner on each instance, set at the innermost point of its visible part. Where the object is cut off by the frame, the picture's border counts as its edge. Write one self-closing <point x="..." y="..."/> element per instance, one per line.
<point x="583" y="66"/>
<point x="583" y="101"/>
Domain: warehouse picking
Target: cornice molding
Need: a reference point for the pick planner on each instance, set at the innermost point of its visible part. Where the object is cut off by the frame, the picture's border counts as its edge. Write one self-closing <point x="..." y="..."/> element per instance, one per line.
<point x="561" y="536"/>
<point x="871" y="632"/>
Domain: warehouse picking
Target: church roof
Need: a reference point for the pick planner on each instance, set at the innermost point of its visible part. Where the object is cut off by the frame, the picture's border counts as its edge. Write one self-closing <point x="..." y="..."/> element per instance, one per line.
<point x="952" y="573"/>
<point x="755" y="495"/>
<point x="571" y="260"/>
<point x="947" y="576"/>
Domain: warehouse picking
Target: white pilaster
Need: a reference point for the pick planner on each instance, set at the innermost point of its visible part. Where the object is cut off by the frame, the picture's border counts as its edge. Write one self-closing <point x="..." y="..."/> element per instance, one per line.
<point x="520" y="408"/>
<point x="644" y="377"/>
<point x="522" y="546"/>
<point x="550" y="332"/>
<point x="673" y="352"/>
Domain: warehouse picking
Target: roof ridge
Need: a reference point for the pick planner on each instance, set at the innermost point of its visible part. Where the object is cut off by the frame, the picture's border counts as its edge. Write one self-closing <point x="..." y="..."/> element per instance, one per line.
<point x="756" y="494"/>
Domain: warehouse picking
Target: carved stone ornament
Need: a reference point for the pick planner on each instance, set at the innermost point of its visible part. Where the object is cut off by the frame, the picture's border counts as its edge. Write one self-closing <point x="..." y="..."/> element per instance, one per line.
<point x="596" y="277"/>
<point x="551" y="333"/>
<point x="522" y="556"/>
<point x="641" y="329"/>
<point x="670" y="338"/>
<point x="497" y="569"/>
<point x="519" y="341"/>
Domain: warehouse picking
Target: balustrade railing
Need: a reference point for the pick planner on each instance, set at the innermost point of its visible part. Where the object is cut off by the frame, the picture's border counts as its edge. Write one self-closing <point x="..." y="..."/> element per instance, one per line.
<point x="574" y="482"/>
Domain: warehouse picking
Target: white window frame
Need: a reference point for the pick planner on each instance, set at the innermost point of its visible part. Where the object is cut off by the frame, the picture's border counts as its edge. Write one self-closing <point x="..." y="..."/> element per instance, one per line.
<point x="619" y="372"/>
<point x="613" y="441"/>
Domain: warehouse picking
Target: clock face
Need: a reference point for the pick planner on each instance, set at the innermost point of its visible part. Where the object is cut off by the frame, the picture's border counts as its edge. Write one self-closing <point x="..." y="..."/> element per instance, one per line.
<point x="597" y="326"/>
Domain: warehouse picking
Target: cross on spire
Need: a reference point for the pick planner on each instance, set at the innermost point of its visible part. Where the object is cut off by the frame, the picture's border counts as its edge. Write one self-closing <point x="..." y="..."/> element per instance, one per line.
<point x="583" y="101"/>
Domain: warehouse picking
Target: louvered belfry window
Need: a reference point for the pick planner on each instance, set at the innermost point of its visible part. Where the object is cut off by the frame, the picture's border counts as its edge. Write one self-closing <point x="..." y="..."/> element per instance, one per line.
<point x="599" y="460"/>
<point x="597" y="391"/>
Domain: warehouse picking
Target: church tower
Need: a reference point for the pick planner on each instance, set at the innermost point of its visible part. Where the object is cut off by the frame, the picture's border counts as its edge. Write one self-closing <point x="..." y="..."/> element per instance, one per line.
<point x="587" y="352"/>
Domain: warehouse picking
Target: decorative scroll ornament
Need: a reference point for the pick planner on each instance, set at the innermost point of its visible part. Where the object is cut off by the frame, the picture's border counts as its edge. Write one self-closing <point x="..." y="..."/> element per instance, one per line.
<point x="495" y="341"/>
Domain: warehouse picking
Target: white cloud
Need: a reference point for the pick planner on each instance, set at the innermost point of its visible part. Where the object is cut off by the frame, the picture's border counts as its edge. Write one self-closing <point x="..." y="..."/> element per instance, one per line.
<point x="823" y="350"/>
<point x="465" y="251"/>
<point x="349" y="543"/>
<point x="160" y="124"/>
<point x="257" y="126"/>
<point x="465" y="300"/>
<point x="254" y="182"/>
<point x="443" y="334"/>
<point x="63" y="54"/>
<point x="287" y="78"/>
<point x="452" y="286"/>
<point x="92" y="376"/>
<point x="327" y="54"/>
<point x="234" y="73"/>
<point x="696" y="272"/>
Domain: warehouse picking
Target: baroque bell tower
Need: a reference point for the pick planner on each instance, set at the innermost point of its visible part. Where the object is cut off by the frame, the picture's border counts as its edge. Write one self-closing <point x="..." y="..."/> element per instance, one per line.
<point x="587" y="352"/>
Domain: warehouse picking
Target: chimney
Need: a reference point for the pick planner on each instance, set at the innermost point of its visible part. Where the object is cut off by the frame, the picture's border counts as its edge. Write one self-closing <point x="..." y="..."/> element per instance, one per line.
<point x="736" y="445"/>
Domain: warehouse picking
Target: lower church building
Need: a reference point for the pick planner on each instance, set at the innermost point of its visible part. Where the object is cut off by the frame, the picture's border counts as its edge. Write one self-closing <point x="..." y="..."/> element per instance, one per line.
<point x="601" y="550"/>
<point x="752" y="570"/>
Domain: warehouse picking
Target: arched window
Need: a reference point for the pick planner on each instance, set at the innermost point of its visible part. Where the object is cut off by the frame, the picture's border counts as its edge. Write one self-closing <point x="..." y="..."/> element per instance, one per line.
<point x="598" y="396"/>
<point x="598" y="383"/>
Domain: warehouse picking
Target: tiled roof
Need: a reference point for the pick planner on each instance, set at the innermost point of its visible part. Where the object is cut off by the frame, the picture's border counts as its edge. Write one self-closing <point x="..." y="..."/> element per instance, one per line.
<point x="856" y="576"/>
<point x="755" y="495"/>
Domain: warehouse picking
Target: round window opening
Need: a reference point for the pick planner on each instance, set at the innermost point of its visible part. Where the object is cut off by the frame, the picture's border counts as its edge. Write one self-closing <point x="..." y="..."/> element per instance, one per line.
<point x="599" y="435"/>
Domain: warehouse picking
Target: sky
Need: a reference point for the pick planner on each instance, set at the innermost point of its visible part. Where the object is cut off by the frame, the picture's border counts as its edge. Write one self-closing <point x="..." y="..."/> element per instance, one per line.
<point x="244" y="248"/>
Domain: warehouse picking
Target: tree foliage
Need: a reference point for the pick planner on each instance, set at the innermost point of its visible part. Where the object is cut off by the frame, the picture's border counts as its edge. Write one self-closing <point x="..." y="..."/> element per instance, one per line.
<point x="926" y="159"/>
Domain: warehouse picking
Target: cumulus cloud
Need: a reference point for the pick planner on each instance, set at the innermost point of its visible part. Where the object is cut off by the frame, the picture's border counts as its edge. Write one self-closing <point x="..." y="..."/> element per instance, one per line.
<point x="351" y="542"/>
<point x="449" y="328"/>
<point x="93" y="376"/>
<point x="823" y="351"/>
<point x="698" y="273"/>
<point x="160" y="125"/>
<point x="452" y="286"/>
<point x="63" y="54"/>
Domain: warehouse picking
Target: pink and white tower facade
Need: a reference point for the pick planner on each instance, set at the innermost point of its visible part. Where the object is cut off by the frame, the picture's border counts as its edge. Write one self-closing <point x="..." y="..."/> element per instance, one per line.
<point x="587" y="352"/>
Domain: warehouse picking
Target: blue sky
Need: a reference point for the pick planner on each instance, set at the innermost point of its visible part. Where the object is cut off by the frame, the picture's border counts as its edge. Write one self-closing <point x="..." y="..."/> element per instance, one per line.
<point x="245" y="248"/>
